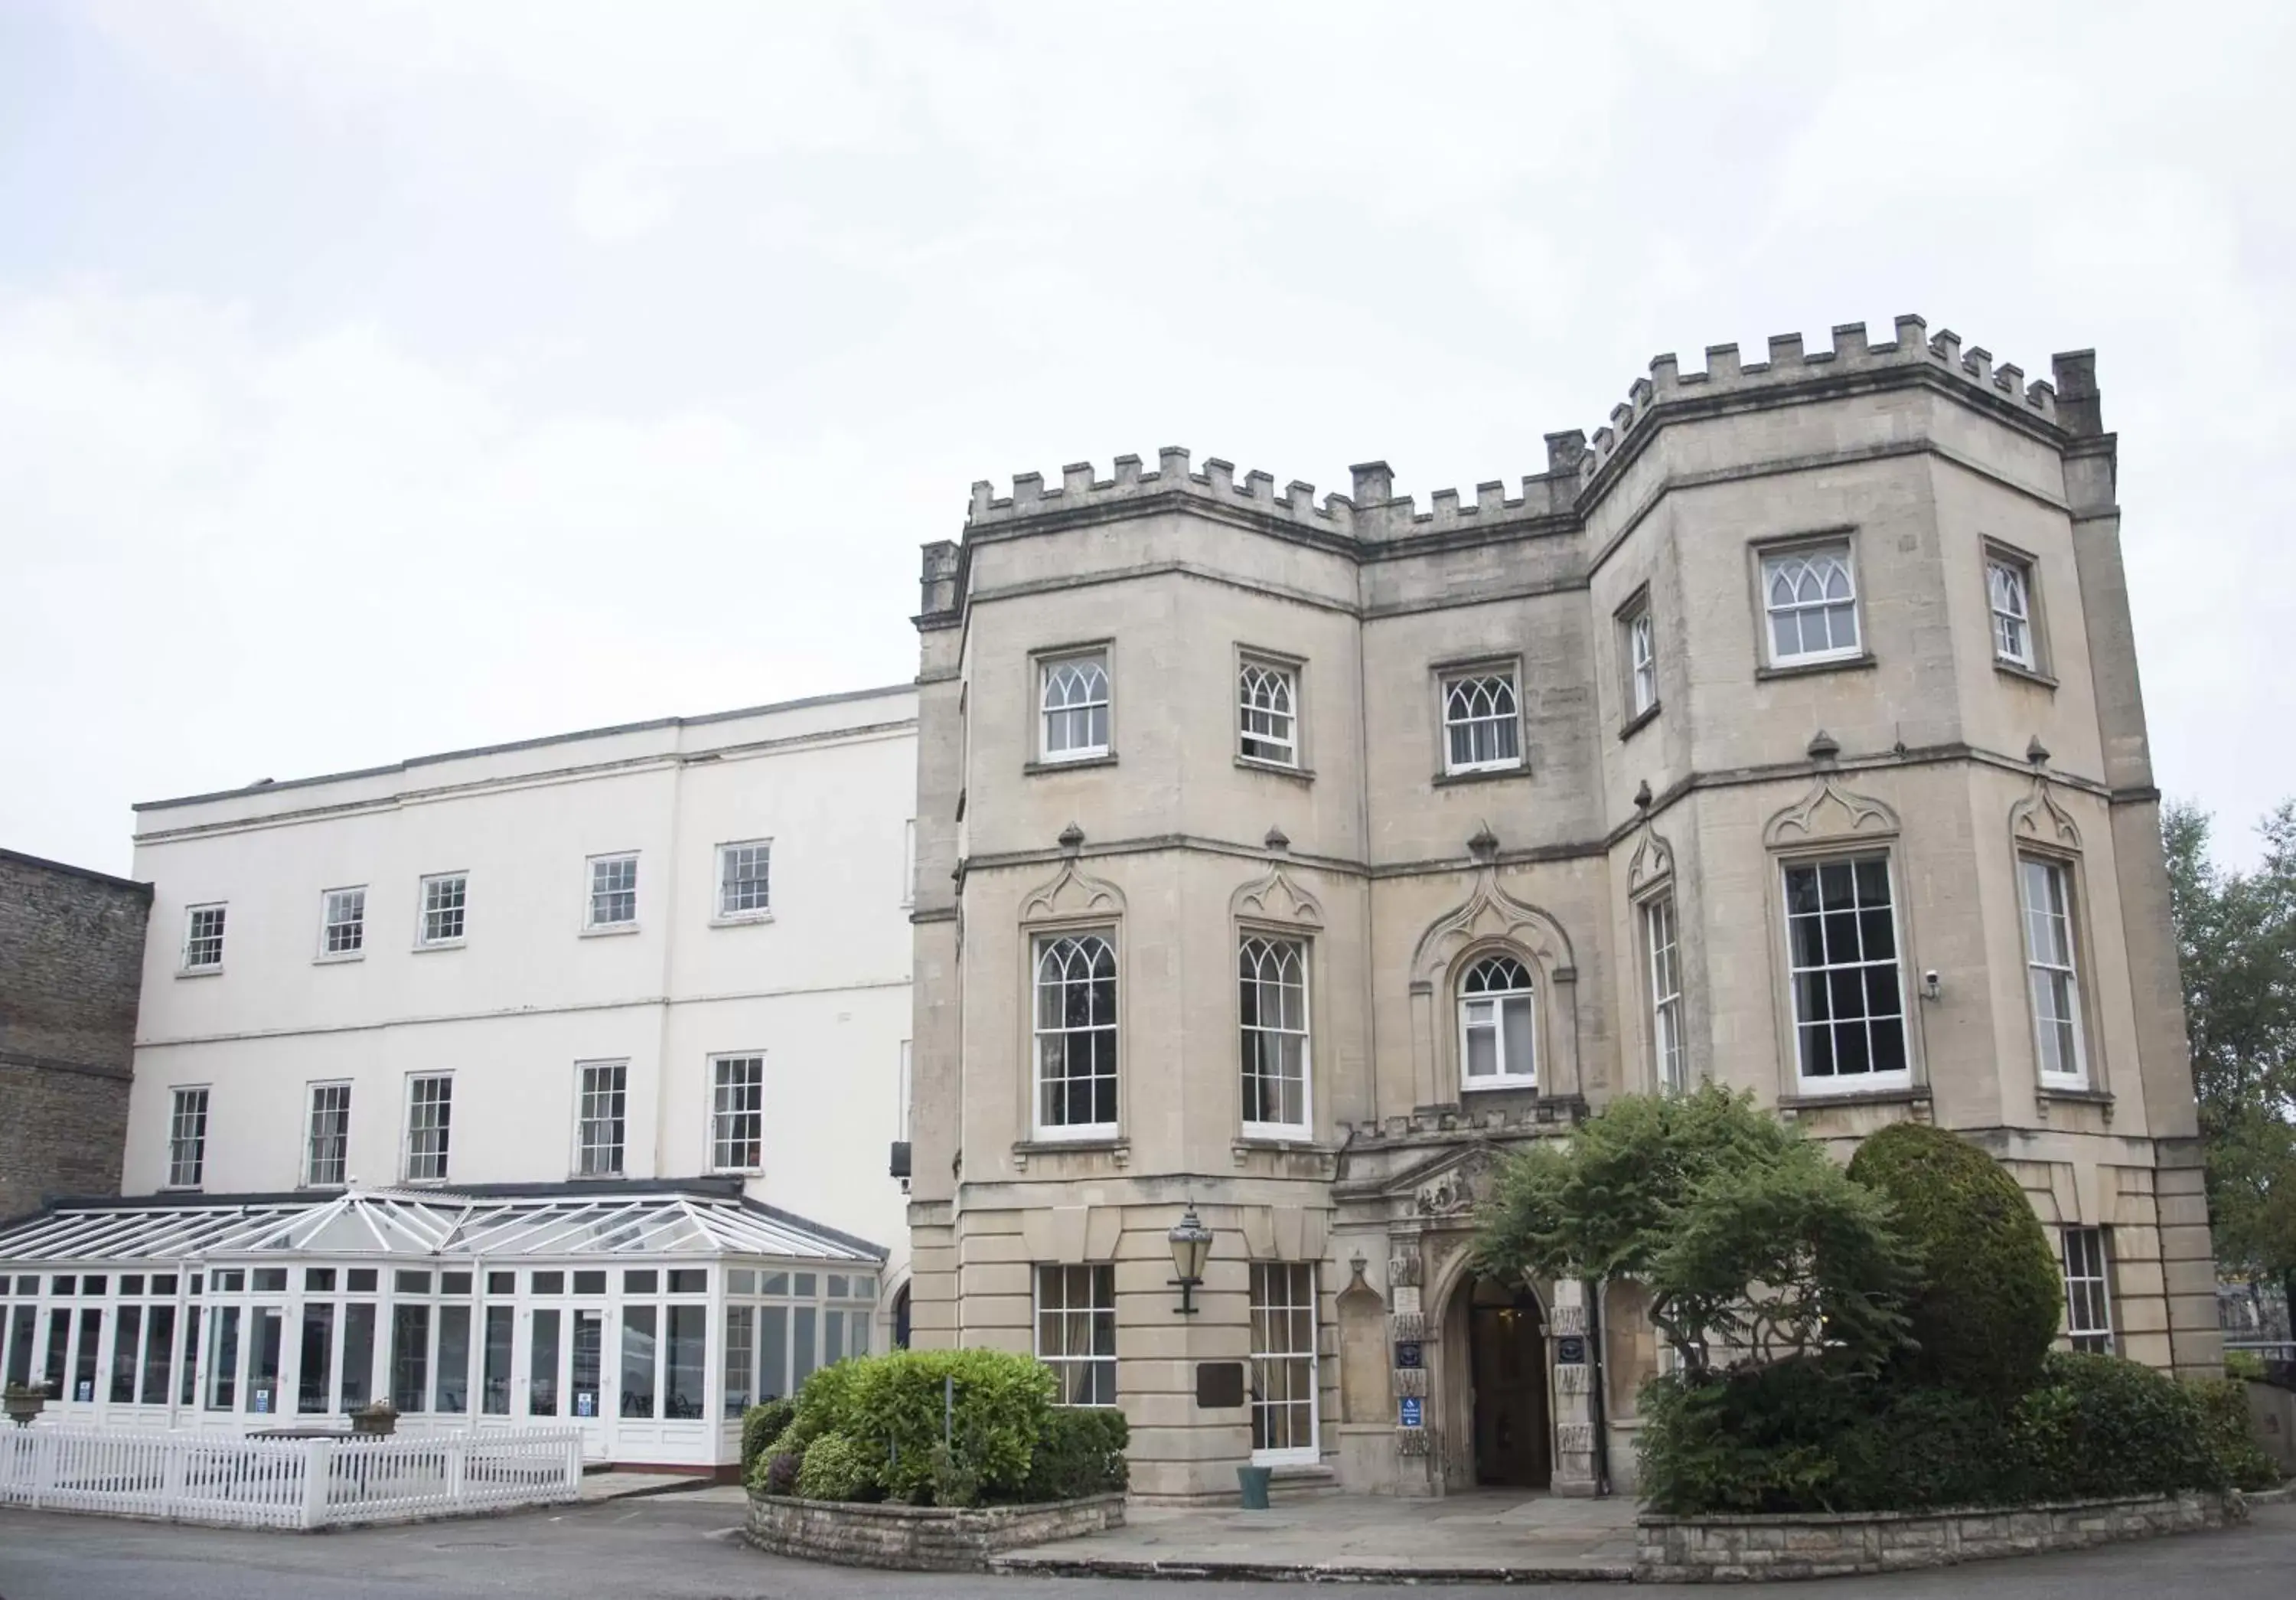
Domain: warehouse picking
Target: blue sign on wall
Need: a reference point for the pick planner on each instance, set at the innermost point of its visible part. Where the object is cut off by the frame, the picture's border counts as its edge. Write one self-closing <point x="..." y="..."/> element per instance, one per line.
<point x="1415" y="1412"/>
<point x="1573" y="1350"/>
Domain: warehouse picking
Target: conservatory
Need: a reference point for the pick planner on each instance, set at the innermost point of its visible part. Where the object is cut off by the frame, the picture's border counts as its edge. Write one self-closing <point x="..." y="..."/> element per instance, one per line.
<point x="648" y="1315"/>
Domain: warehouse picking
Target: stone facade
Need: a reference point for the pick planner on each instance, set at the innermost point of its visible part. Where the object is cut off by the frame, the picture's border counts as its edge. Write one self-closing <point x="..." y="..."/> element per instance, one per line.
<point x="71" y="958"/>
<point x="1173" y="723"/>
<point x="920" y="1538"/>
<point x="1763" y="1549"/>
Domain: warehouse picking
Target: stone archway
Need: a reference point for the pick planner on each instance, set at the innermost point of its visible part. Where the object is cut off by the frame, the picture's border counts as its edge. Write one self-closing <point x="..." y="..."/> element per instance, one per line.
<point x="1497" y="1427"/>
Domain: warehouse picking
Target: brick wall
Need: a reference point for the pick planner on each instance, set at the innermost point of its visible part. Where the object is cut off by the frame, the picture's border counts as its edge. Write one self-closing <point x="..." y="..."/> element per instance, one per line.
<point x="72" y="967"/>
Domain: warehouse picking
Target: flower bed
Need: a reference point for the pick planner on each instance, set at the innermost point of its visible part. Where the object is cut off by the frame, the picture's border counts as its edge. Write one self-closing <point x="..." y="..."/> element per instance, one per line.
<point x="1735" y="1549"/>
<point x="925" y="1539"/>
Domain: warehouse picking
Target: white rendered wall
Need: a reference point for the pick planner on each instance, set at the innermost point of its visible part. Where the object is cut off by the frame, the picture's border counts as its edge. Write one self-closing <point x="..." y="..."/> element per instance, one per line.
<point x="821" y="990"/>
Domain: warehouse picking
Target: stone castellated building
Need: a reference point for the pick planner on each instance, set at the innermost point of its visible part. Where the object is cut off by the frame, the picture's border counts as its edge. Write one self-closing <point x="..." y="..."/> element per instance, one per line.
<point x="1295" y="859"/>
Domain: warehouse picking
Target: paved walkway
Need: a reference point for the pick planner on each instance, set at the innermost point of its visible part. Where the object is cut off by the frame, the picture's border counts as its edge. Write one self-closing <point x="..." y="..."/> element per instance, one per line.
<point x="1490" y="1535"/>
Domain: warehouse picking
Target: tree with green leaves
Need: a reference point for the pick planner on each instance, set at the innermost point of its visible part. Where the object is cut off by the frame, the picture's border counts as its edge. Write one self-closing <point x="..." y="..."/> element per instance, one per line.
<point x="2236" y="944"/>
<point x="1747" y="1237"/>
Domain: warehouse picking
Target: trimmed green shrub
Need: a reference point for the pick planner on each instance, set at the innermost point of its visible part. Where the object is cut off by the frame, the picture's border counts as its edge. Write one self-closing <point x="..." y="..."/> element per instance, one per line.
<point x="2099" y="1425"/>
<point x="760" y="1426"/>
<point x="892" y="1405"/>
<point x="2224" y="1405"/>
<point x="2246" y="1366"/>
<point x="1755" y="1439"/>
<point x="776" y="1474"/>
<point x="1080" y="1452"/>
<point x="836" y="1468"/>
<point x="1990" y="1299"/>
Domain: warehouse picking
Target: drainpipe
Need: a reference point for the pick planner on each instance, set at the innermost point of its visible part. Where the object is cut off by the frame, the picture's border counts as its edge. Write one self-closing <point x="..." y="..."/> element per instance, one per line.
<point x="1598" y="1388"/>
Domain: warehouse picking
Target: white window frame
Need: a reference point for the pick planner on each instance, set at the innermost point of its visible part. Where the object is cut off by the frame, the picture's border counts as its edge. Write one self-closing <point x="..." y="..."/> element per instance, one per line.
<point x="1078" y="700"/>
<point x="1295" y="1357"/>
<point x="443" y="1127"/>
<point x="1526" y="994"/>
<point x="905" y="1087"/>
<point x="2085" y="1255"/>
<point x="1459" y="690"/>
<point x="191" y="1175"/>
<point x="591" y="923"/>
<point x="342" y="911"/>
<point x="1802" y="559"/>
<point x="1043" y="947"/>
<point x="724" y="1149"/>
<point x="1086" y="1379"/>
<point x="1267" y="710"/>
<point x="909" y="862"/>
<point x="1289" y="1032"/>
<point x="2052" y="967"/>
<point x="1642" y="661"/>
<point x="763" y="911"/>
<point x="1849" y="1083"/>
<point x="1662" y="929"/>
<point x="2009" y="603"/>
<point x="599" y="1106"/>
<point x="194" y="939"/>
<point x="433" y="888"/>
<point x="332" y="1089"/>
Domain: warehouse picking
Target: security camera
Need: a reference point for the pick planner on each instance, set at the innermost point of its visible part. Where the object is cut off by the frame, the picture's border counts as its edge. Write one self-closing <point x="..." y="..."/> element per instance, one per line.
<point x="1930" y="983"/>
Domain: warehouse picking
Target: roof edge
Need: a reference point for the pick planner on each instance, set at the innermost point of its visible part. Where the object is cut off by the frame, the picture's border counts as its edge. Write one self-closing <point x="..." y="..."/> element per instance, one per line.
<point x="806" y="703"/>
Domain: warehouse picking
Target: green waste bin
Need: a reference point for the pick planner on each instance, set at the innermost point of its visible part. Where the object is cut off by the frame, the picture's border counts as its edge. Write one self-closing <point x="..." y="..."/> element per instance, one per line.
<point x="1254" y="1482"/>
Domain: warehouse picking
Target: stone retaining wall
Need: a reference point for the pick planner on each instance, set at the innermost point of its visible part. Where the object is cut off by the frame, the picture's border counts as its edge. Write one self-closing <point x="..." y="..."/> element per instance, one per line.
<point x="919" y="1538"/>
<point x="1738" y="1549"/>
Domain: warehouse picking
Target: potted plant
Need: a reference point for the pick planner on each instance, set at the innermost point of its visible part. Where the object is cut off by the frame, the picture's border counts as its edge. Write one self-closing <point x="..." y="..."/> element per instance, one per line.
<point x="375" y="1421"/>
<point x="25" y="1401"/>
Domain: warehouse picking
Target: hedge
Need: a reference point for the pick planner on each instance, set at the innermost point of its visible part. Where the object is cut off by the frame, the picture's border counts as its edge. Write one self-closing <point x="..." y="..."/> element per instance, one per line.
<point x="760" y="1426"/>
<point x="1805" y="1436"/>
<point x="935" y="1427"/>
<point x="1988" y="1308"/>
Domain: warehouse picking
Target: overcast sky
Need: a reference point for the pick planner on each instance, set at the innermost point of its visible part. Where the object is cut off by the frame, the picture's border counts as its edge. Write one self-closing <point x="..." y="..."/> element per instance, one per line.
<point x="378" y="379"/>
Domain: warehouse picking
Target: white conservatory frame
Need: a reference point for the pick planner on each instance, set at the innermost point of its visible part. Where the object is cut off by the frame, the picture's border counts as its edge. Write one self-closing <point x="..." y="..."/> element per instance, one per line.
<point x="627" y="1261"/>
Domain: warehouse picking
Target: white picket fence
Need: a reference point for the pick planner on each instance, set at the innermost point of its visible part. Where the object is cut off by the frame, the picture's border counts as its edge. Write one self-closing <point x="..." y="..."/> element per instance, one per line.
<point x="193" y="1477"/>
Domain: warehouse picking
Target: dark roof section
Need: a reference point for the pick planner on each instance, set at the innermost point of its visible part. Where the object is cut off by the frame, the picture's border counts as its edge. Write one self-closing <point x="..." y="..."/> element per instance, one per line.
<point x="68" y="870"/>
<point x="266" y="786"/>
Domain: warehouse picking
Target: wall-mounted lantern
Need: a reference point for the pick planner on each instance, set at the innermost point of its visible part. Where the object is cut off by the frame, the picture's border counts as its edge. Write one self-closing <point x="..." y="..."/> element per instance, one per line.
<point x="1192" y="1244"/>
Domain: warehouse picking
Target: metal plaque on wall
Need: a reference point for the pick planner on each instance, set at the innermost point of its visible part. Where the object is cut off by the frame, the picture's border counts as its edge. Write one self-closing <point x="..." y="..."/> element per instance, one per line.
<point x="1570" y="1350"/>
<point x="1408" y="1353"/>
<point x="1219" y="1384"/>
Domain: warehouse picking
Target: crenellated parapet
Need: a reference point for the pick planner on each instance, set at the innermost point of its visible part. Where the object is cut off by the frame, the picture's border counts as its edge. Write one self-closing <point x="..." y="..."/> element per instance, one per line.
<point x="1789" y="365"/>
<point x="1372" y="514"/>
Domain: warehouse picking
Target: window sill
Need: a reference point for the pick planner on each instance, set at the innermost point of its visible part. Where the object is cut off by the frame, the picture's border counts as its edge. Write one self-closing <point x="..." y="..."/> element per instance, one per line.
<point x="438" y="944"/>
<point x="1263" y="1137"/>
<point x="1863" y="659"/>
<point x="2031" y="675"/>
<point x="1811" y="1099"/>
<point x="1036" y="768"/>
<point x="1275" y="769"/>
<point x="1520" y="1086"/>
<point x="747" y="919"/>
<point x="199" y="972"/>
<point x="1024" y="1151"/>
<point x="340" y="959"/>
<point x="610" y="930"/>
<point x="1482" y="774"/>
<point x="1640" y="720"/>
<point x="737" y="1172"/>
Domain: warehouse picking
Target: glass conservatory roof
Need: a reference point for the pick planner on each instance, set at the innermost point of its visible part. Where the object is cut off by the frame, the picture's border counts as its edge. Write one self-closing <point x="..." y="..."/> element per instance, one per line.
<point x="428" y="1222"/>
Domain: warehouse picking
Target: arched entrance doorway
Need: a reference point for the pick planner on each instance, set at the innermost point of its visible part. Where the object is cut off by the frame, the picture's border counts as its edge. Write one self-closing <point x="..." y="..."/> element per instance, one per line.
<point x="1506" y="1363"/>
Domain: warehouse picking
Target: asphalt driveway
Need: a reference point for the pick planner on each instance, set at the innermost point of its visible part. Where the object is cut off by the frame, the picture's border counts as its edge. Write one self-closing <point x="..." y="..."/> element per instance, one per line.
<point x="671" y="1548"/>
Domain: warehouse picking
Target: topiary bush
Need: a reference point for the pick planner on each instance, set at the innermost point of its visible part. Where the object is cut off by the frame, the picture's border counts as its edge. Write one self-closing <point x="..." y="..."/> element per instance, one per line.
<point x="1080" y="1452"/>
<point x="1989" y="1305"/>
<point x="760" y="1426"/>
<point x="2099" y="1425"/>
<point x="836" y="1468"/>
<point x="1755" y="1439"/>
